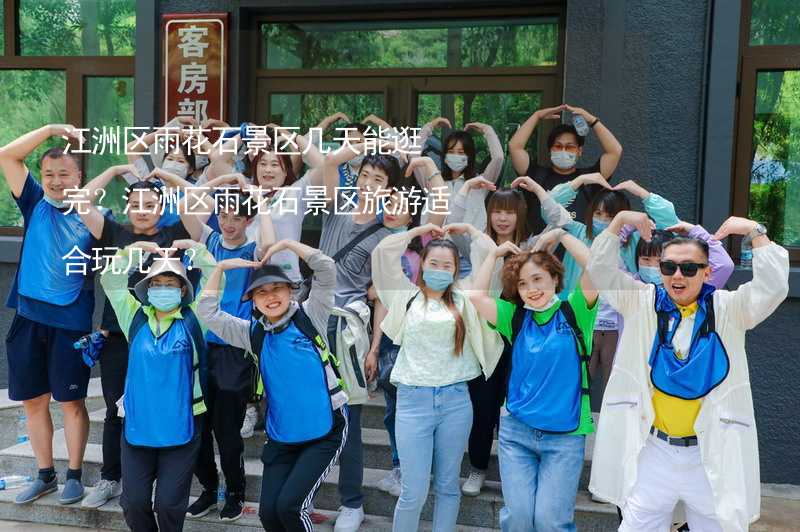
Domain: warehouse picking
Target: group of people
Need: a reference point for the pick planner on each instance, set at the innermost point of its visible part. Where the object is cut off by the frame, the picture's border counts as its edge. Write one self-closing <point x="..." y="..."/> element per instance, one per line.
<point x="523" y="311"/>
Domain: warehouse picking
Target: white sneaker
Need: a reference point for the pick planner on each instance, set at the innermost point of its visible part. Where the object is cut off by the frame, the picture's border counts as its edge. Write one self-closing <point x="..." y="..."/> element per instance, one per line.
<point x="391" y="482"/>
<point x="349" y="519"/>
<point x="474" y="483"/>
<point x="249" y="423"/>
<point x="104" y="491"/>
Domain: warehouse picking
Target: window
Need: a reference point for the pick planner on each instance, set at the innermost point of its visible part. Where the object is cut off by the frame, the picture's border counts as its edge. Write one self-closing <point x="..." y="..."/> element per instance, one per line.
<point x="767" y="171"/>
<point x="76" y="51"/>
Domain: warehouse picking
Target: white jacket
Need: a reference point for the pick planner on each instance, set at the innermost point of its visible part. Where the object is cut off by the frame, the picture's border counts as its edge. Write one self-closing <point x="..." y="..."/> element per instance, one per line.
<point x="725" y="426"/>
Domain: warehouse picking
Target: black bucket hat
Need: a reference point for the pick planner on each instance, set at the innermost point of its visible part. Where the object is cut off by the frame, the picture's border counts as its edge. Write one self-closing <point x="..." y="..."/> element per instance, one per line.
<point x="269" y="273"/>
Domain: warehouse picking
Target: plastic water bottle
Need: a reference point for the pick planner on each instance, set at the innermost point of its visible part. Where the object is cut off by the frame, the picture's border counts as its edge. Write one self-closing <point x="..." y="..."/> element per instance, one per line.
<point x="580" y="125"/>
<point x="746" y="253"/>
<point x="221" y="497"/>
<point x="13" y="481"/>
<point x="22" y="429"/>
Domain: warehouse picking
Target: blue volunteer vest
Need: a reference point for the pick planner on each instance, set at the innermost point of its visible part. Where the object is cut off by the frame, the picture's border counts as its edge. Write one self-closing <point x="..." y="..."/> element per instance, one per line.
<point x="545" y="382"/>
<point x="299" y="405"/>
<point x="51" y="235"/>
<point x="707" y="363"/>
<point x="236" y="281"/>
<point x="159" y="387"/>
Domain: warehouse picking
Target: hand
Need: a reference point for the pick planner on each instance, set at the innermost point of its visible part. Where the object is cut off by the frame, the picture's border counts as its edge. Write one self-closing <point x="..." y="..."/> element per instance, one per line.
<point x="371" y="365"/>
<point x="184" y="243"/>
<point x="632" y="187"/>
<point x="280" y="245"/>
<point x="735" y="225"/>
<point x="590" y="118"/>
<point x="235" y="263"/>
<point x="549" y="240"/>
<point x="210" y="123"/>
<point x="682" y="228"/>
<point x="595" y="178"/>
<point x="421" y="162"/>
<point x="235" y="177"/>
<point x="526" y="183"/>
<point x="459" y="228"/>
<point x="335" y="117"/>
<point x="440" y="122"/>
<point x="505" y="248"/>
<point x="479" y="182"/>
<point x="122" y="169"/>
<point x="550" y="113"/>
<point x="433" y="229"/>
<point x="640" y="221"/>
<point x="148" y="247"/>
<point x="65" y="130"/>
<point x="163" y="175"/>
<point x="480" y="127"/>
<point x="378" y="121"/>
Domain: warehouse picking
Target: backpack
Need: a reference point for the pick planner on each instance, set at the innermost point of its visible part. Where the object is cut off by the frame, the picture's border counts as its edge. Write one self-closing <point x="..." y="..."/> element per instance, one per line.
<point x="306" y="327"/>
<point x="569" y="315"/>
<point x="198" y="339"/>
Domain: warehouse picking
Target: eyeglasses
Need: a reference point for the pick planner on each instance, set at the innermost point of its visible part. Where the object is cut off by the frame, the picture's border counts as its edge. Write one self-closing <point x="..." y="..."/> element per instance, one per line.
<point x="688" y="269"/>
<point x="569" y="148"/>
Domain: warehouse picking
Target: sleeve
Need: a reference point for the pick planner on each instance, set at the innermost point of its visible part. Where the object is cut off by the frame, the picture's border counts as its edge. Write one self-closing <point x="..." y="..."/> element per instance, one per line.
<point x="32" y="192"/>
<point x="721" y="264"/>
<point x="387" y="269"/>
<point x="563" y="194"/>
<point x="232" y="329"/>
<point x="320" y="300"/>
<point x="624" y="294"/>
<point x="207" y="240"/>
<point x="584" y="315"/>
<point x="661" y="210"/>
<point x="554" y="213"/>
<point x="110" y="235"/>
<point x="505" y="314"/>
<point x="459" y="208"/>
<point x="479" y="249"/>
<point x="204" y="261"/>
<point x="754" y="301"/>
<point x="115" y="285"/>
<point x="495" y="166"/>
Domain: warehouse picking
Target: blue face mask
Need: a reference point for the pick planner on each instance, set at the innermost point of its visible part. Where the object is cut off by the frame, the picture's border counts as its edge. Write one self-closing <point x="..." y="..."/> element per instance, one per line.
<point x="598" y="226"/>
<point x="164" y="298"/>
<point x="650" y="274"/>
<point x="400" y="229"/>
<point x="437" y="280"/>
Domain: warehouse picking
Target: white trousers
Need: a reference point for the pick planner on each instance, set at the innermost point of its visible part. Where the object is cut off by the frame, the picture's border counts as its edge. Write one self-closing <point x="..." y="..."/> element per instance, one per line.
<point x="668" y="474"/>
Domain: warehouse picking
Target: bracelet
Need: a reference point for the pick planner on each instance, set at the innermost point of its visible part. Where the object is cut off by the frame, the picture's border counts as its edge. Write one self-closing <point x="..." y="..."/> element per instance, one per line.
<point x="596" y="120"/>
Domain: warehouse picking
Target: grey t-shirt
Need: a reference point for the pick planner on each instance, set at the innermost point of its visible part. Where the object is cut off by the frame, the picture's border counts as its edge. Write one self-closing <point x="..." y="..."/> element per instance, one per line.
<point x="354" y="270"/>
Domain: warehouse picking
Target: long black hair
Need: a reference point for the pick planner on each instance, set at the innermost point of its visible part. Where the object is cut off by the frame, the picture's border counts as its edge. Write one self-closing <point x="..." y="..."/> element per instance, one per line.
<point x="469" y="150"/>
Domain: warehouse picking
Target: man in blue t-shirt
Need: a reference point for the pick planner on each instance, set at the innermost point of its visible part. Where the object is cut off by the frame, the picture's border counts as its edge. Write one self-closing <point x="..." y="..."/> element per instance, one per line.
<point x="53" y="296"/>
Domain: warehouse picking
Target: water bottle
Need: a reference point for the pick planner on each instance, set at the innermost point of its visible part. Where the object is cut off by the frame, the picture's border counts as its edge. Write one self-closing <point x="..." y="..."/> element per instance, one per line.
<point x="22" y="429"/>
<point x="580" y="125"/>
<point x="221" y="497"/>
<point x="746" y="253"/>
<point x="13" y="481"/>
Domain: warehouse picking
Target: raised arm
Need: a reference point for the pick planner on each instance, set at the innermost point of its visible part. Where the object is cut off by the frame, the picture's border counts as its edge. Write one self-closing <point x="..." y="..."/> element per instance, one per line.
<point x="426" y="172"/>
<point x="495" y="166"/>
<point x="718" y="259"/>
<point x="387" y="269"/>
<point x="754" y="301"/>
<point x="13" y="154"/>
<point x="661" y="210"/>
<point x="516" y="146"/>
<point x="612" y="149"/>
<point x="479" y="294"/>
<point x="578" y="250"/>
<point x="553" y="212"/>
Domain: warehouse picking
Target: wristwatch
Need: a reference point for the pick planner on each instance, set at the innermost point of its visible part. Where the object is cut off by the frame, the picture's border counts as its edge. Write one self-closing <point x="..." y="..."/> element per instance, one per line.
<point x="758" y="230"/>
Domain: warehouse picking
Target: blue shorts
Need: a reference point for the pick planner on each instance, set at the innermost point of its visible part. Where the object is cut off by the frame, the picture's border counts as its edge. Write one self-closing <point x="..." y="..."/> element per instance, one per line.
<point x="41" y="360"/>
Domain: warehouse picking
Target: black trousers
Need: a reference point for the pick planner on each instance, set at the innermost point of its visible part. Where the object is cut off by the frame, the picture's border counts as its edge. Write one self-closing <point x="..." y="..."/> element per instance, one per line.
<point x="171" y="470"/>
<point x="292" y="475"/>
<point x="230" y="381"/>
<point x="113" y="369"/>
<point x="487" y="398"/>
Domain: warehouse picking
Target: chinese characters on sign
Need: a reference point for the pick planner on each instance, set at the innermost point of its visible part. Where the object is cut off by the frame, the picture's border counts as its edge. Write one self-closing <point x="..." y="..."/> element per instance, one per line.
<point x="195" y="66"/>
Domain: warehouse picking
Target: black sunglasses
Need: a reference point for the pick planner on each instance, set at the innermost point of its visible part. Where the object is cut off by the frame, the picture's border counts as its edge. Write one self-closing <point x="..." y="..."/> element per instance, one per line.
<point x="688" y="269"/>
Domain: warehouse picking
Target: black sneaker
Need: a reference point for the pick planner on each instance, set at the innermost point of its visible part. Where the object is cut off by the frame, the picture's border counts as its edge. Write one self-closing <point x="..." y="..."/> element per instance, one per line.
<point x="234" y="507"/>
<point x="203" y="504"/>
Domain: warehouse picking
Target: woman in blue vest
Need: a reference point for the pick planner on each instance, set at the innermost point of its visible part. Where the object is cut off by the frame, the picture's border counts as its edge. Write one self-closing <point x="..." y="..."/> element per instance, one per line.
<point x="306" y="426"/>
<point x="163" y="395"/>
<point x="547" y="415"/>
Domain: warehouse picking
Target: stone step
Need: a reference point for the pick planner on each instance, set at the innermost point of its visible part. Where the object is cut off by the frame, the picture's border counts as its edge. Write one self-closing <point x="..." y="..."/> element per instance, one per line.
<point x="110" y="517"/>
<point x="11" y="410"/>
<point x="377" y="452"/>
<point x="480" y="511"/>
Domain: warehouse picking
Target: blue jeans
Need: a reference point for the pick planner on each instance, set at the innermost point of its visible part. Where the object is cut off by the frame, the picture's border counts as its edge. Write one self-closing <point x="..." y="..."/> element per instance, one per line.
<point x="540" y="473"/>
<point x="432" y="427"/>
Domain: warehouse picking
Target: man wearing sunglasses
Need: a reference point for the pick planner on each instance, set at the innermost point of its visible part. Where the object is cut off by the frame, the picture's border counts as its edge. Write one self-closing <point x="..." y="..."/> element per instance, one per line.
<point x="677" y="420"/>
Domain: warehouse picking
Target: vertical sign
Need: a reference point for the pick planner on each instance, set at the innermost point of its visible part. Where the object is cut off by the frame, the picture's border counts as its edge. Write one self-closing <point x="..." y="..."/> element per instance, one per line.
<point x="195" y="65"/>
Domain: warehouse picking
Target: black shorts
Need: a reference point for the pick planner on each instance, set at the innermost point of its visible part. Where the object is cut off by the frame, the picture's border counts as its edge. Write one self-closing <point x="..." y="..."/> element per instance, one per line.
<point x="41" y="359"/>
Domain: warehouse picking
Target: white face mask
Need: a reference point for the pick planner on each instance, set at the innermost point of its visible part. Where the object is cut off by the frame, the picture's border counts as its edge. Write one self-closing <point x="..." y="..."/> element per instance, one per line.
<point x="563" y="159"/>
<point x="553" y="301"/>
<point x="175" y="168"/>
<point x="455" y="162"/>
